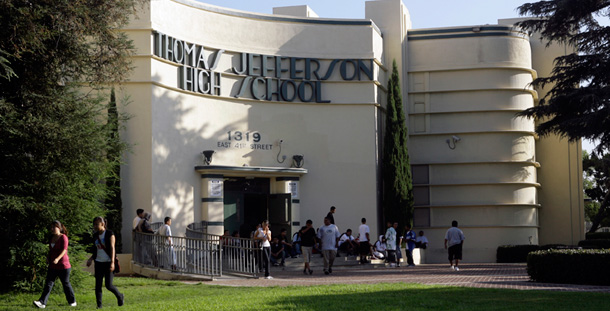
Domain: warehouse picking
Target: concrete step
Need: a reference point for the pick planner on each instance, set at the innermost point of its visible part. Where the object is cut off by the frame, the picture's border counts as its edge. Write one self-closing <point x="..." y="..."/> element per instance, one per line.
<point x="318" y="261"/>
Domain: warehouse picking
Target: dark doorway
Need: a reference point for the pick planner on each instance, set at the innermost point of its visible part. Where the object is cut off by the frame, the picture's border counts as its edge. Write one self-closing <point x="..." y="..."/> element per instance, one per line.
<point x="247" y="202"/>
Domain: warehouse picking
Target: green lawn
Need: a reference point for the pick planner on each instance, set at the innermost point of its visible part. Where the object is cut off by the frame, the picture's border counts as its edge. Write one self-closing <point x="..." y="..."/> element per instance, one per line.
<point x="153" y="295"/>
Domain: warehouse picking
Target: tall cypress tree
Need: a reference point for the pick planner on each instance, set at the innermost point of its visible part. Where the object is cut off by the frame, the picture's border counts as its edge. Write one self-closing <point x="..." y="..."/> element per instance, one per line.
<point x="396" y="170"/>
<point x="114" y="204"/>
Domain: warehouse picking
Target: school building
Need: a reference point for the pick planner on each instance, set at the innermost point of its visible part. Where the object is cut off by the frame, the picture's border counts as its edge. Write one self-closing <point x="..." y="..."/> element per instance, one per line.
<point x="239" y="117"/>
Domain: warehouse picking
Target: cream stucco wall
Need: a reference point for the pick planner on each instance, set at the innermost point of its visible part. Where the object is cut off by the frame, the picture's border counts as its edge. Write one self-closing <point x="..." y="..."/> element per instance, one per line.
<point x="474" y="161"/>
<point x="465" y="86"/>
<point x="171" y="126"/>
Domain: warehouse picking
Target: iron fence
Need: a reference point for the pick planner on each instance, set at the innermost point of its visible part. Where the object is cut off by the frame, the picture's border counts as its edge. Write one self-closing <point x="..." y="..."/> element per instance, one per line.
<point x="241" y="256"/>
<point x="179" y="254"/>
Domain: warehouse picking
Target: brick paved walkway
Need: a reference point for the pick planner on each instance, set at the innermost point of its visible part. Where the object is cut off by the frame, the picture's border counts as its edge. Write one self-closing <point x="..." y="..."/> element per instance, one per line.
<point x="511" y="276"/>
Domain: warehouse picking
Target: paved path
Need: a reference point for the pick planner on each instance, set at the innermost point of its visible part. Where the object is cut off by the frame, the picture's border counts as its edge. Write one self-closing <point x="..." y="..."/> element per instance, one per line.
<point x="511" y="276"/>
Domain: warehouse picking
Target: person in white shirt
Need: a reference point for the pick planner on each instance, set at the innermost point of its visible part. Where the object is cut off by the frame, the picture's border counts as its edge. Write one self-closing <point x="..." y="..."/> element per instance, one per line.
<point x="347" y="243"/>
<point x="390" y="237"/>
<point x="136" y="221"/>
<point x="329" y="238"/>
<point x="421" y="241"/>
<point x="364" y="239"/>
<point x="454" y="240"/>
<point x="380" y="249"/>
<point x="169" y="256"/>
<point x="263" y="234"/>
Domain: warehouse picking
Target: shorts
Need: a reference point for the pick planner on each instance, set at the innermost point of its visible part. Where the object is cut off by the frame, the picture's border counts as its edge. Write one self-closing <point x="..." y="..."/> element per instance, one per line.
<point x="455" y="252"/>
<point x="365" y="248"/>
<point x="306" y="253"/>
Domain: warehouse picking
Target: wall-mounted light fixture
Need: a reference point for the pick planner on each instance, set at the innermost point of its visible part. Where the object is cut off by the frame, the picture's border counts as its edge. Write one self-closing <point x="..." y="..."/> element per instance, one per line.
<point x="298" y="160"/>
<point x="207" y="156"/>
<point x="451" y="141"/>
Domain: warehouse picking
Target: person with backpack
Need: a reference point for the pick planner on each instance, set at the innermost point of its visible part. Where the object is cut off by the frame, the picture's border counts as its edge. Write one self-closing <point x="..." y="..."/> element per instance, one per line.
<point x="104" y="255"/>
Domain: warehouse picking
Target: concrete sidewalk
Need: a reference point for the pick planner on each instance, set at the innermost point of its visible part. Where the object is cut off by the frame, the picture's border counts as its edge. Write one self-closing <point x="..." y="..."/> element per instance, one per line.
<point x="509" y="276"/>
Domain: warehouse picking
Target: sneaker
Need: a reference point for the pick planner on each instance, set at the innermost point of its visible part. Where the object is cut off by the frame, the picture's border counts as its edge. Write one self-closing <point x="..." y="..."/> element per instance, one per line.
<point x="121" y="300"/>
<point x="73" y="304"/>
<point x="310" y="272"/>
<point x="39" y="304"/>
<point x="457" y="269"/>
<point x="268" y="277"/>
<point x="452" y="268"/>
<point x="411" y="265"/>
<point x="330" y="270"/>
<point x="326" y="272"/>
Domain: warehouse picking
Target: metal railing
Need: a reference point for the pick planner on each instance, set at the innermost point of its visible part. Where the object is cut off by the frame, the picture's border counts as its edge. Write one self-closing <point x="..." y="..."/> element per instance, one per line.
<point x="241" y="256"/>
<point x="197" y="229"/>
<point x="180" y="254"/>
<point x="156" y="225"/>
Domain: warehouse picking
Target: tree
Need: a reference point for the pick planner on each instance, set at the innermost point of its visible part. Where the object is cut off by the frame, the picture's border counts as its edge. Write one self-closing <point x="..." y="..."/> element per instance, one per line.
<point x="597" y="171"/>
<point x="396" y="170"/>
<point x="577" y="106"/>
<point x="114" y="203"/>
<point x="58" y="58"/>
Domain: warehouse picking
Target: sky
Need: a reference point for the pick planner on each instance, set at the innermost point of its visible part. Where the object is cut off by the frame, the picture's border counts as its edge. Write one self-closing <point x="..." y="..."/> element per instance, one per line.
<point x="424" y="13"/>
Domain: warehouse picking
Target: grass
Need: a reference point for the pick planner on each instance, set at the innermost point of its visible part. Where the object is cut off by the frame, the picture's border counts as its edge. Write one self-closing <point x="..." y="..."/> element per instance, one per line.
<point x="154" y="295"/>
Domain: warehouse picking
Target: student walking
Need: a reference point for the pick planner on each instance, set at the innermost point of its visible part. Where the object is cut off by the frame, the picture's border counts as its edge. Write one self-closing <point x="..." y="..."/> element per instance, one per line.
<point x="308" y="240"/>
<point x="329" y="238"/>
<point x="454" y="240"/>
<point x="103" y="255"/>
<point x="59" y="265"/>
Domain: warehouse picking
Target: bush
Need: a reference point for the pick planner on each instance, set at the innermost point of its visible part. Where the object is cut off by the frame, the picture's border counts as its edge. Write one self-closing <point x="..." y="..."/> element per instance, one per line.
<point x="571" y="266"/>
<point x="597" y="236"/>
<point x="598" y="244"/>
<point x="514" y="253"/>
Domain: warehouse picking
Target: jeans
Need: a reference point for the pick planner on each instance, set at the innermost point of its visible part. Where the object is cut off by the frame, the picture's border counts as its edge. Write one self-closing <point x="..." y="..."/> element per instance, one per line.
<point x="409" y="253"/>
<point x="266" y="259"/>
<point x="102" y="270"/>
<point x="64" y="277"/>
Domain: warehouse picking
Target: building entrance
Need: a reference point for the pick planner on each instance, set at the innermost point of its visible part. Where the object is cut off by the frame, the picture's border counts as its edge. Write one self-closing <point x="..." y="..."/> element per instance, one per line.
<point x="247" y="202"/>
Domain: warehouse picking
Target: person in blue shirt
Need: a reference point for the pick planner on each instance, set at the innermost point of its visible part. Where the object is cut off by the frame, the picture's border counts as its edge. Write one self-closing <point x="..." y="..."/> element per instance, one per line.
<point x="410" y="239"/>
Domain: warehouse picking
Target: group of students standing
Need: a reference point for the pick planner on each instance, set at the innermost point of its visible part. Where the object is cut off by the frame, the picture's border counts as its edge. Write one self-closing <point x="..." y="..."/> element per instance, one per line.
<point x="142" y="223"/>
<point x="103" y="254"/>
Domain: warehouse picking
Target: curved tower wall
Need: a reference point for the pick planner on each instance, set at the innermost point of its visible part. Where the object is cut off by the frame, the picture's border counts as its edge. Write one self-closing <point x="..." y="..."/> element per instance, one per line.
<point x="473" y="160"/>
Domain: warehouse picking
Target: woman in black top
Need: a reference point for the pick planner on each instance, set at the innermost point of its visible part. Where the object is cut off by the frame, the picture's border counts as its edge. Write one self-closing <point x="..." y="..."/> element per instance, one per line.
<point x="103" y="255"/>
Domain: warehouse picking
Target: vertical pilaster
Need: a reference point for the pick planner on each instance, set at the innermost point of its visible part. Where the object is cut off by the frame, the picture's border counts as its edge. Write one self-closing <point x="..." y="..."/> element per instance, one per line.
<point x="212" y="202"/>
<point x="291" y="185"/>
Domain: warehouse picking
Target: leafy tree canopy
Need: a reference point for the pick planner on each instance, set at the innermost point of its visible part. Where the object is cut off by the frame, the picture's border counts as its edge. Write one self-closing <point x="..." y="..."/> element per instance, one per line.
<point x="577" y="106"/>
<point x="596" y="169"/>
<point x="56" y="59"/>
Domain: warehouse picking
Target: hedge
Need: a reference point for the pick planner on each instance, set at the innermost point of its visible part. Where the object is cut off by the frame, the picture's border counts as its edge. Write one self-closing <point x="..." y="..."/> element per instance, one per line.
<point x="597" y="236"/>
<point x="518" y="253"/>
<point x="514" y="253"/>
<point x="570" y="266"/>
<point x="594" y="244"/>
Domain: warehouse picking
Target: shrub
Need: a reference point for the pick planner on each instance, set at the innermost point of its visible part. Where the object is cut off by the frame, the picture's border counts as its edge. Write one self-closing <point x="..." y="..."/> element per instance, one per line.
<point x="597" y="236"/>
<point x="514" y="253"/>
<point x="595" y="243"/>
<point x="571" y="266"/>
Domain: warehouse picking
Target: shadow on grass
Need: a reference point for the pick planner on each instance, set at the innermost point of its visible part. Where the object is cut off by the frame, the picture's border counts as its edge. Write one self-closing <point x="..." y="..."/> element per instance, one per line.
<point x="145" y="294"/>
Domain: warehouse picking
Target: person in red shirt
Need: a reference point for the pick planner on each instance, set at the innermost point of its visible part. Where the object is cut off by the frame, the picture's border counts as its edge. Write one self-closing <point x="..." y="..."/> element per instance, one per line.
<point x="59" y="265"/>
